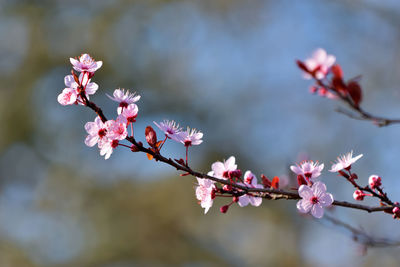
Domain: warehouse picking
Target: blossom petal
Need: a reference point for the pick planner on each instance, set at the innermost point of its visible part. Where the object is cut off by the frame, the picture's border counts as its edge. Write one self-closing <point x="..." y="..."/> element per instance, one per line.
<point x="243" y="200"/>
<point x="326" y="200"/>
<point x="255" y="201"/>
<point x="304" y="205"/>
<point x="218" y="168"/>
<point x="317" y="211"/>
<point x="91" y="140"/>
<point x="305" y="192"/>
<point x="319" y="189"/>
<point x="230" y="164"/>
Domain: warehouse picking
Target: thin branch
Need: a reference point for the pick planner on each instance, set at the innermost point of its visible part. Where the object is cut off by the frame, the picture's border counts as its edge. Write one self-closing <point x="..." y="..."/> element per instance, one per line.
<point x="363" y="115"/>
<point x="361" y="236"/>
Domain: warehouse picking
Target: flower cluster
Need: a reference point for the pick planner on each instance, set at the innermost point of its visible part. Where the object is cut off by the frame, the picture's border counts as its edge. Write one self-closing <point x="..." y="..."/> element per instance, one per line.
<point x="319" y="67"/>
<point x="76" y="86"/>
<point x="207" y="189"/>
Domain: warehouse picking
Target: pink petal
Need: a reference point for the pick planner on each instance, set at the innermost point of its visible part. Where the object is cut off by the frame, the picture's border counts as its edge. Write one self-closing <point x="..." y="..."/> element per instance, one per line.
<point x="91" y="128"/>
<point x="243" y="200"/>
<point x="305" y="192"/>
<point x="304" y="205"/>
<point x="320" y="55"/>
<point x="91" y="140"/>
<point x="326" y="200"/>
<point x="255" y="201"/>
<point x="91" y="88"/>
<point x="230" y="164"/>
<point x="296" y="169"/>
<point x="69" y="81"/>
<point x="319" y="189"/>
<point x="218" y="168"/>
<point x="317" y="211"/>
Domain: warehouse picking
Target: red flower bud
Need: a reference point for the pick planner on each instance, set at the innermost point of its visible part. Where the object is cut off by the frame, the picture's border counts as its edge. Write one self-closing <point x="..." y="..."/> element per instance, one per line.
<point x="224" y="209"/>
<point x="301" y="180"/>
<point x="275" y="182"/>
<point x="265" y="181"/>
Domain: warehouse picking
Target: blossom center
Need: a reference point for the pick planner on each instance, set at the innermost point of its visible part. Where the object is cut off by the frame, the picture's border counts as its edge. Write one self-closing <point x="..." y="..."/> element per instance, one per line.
<point x="123" y="104"/>
<point x="188" y="143"/>
<point x="102" y="132"/>
<point x="314" y="200"/>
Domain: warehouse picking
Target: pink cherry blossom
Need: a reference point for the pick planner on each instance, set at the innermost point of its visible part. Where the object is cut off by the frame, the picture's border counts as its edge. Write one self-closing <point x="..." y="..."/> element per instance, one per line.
<point x="67" y="97"/>
<point x="309" y="169"/>
<point x="374" y="181"/>
<point x="116" y="130"/>
<point x="123" y="98"/>
<point x="171" y="129"/>
<point x="97" y="131"/>
<point x="320" y="62"/>
<point x="344" y="162"/>
<point x="314" y="199"/>
<point x="107" y="146"/>
<point x="85" y="64"/>
<point x="250" y="180"/>
<point x="205" y="193"/>
<point x="129" y="114"/>
<point x="221" y="170"/>
<point x="70" y="95"/>
<point x="191" y="137"/>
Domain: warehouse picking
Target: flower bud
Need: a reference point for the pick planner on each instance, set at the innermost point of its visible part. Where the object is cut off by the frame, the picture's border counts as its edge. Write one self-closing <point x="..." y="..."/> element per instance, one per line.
<point x="236" y="173"/>
<point x="265" y="181"/>
<point x="396" y="212"/>
<point x="235" y="199"/>
<point x="374" y="181"/>
<point x="313" y="89"/>
<point x="358" y="195"/>
<point x="224" y="209"/>
<point x="301" y="180"/>
<point x="151" y="136"/>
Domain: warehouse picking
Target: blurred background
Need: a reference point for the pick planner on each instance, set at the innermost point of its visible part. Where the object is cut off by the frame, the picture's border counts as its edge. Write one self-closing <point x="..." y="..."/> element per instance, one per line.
<point x="225" y="67"/>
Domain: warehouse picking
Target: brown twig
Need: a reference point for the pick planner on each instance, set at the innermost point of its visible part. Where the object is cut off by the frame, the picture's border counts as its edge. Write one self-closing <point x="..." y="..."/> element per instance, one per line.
<point x="362" y="114"/>
<point x="361" y="236"/>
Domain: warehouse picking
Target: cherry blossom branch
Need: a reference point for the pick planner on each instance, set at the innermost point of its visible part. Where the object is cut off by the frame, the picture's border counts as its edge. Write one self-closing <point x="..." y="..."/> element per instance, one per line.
<point x="318" y="68"/>
<point x="267" y="193"/>
<point x="225" y="179"/>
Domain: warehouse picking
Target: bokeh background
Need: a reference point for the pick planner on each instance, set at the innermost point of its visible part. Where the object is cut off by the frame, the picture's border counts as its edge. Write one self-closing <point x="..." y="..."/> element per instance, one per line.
<point x="225" y="67"/>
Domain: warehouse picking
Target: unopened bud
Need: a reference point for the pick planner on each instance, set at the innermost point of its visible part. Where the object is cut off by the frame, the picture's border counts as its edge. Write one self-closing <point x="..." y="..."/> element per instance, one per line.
<point x="224" y="209"/>
<point x="358" y="195"/>
<point x="301" y="180"/>
<point x="396" y="212"/>
<point x="265" y="181"/>
<point x="374" y="181"/>
<point x="313" y="89"/>
<point x="235" y="199"/>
